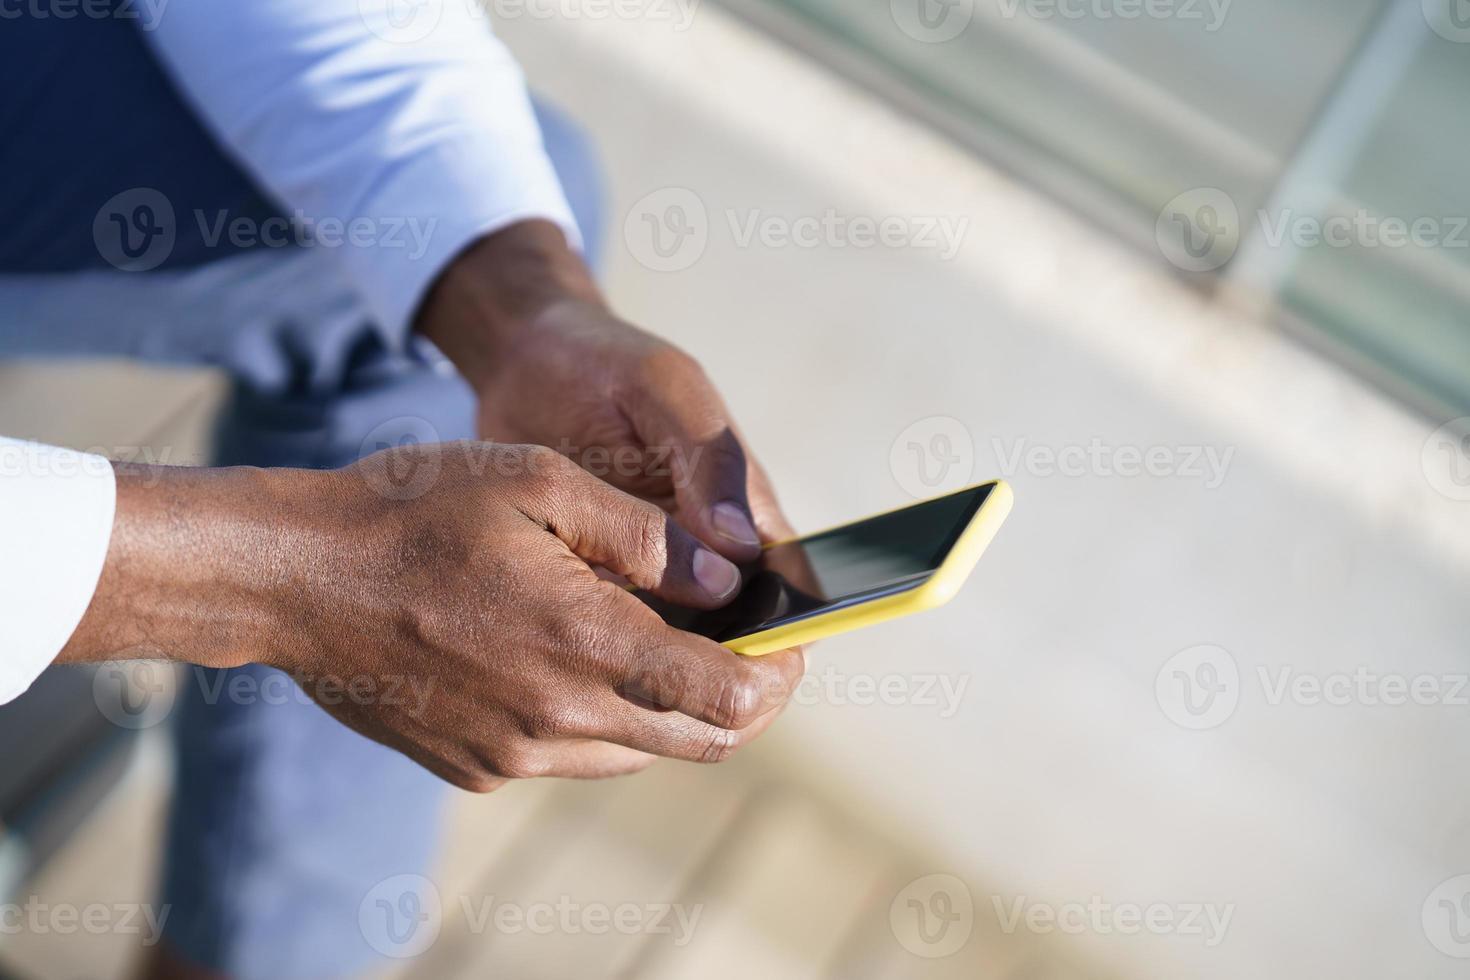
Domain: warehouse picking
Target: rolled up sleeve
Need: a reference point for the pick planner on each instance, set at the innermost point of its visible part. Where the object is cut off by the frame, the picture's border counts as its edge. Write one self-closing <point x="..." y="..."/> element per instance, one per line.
<point x="56" y="513"/>
<point x="402" y="133"/>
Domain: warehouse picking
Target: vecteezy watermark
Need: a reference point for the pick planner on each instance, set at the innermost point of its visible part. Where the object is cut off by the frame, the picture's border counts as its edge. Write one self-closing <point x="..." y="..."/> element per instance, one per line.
<point x="1362" y="686"/>
<point x="403" y="21"/>
<point x="937" y="21"/>
<point x="678" y="14"/>
<point x="676" y="681"/>
<point x="932" y="916"/>
<point x="38" y="917"/>
<point x="942" y="693"/>
<point x="1206" y="921"/>
<point x="1450" y="19"/>
<point x="406" y="476"/>
<point x="937" y="454"/>
<point x="135" y="230"/>
<point x="1201" y="230"/>
<point x="1201" y="687"/>
<point x="301" y="230"/>
<point x="932" y="21"/>
<point x="409" y="475"/>
<point x="135" y="693"/>
<point x="567" y="916"/>
<point x="138" y="230"/>
<point x="145" y="13"/>
<point x="1445" y="917"/>
<point x="667" y="230"/>
<point x="670" y="229"/>
<point x="1198" y="688"/>
<point x="934" y="455"/>
<point x="401" y="917"/>
<point x="1363" y="229"/>
<point x="1206" y="464"/>
<point x="411" y="21"/>
<point x="411" y="692"/>
<point x="1210" y="14"/>
<point x="1445" y="459"/>
<point x="31" y="459"/>
<point x="834" y="230"/>
<point x="139" y="693"/>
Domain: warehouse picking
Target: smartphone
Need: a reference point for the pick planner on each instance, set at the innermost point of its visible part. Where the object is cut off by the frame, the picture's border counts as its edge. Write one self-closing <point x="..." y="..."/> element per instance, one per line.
<point x="855" y="575"/>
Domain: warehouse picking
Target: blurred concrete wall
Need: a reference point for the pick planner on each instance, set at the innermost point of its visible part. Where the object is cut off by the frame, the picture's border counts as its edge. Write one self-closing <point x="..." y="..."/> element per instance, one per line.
<point x="1083" y="757"/>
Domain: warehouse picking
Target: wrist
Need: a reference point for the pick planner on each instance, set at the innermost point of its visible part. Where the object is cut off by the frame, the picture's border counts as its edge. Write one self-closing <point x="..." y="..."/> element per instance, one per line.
<point x="493" y="293"/>
<point x="198" y="570"/>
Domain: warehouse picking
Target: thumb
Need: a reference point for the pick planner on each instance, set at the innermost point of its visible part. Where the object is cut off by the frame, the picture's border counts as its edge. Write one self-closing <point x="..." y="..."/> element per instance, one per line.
<point x="711" y="468"/>
<point x="604" y="526"/>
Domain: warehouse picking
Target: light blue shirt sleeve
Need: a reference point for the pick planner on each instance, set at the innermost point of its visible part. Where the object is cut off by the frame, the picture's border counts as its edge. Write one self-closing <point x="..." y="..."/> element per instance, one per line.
<point x="406" y="127"/>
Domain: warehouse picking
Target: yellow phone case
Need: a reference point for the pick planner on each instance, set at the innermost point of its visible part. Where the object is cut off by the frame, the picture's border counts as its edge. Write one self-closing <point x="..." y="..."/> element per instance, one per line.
<point x="936" y="591"/>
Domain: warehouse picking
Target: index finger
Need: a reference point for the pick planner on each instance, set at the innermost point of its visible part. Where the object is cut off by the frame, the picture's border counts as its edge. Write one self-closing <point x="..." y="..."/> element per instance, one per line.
<point x="672" y="670"/>
<point x="680" y="409"/>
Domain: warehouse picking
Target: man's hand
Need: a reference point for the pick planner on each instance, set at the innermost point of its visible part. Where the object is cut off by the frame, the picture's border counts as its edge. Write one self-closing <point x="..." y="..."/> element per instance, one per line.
<point x="520" y="317"/>
<point x="481" y="588"/>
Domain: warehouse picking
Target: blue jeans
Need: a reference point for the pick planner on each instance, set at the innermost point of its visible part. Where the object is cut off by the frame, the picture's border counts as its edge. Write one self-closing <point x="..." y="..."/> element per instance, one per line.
<point x="283" y="820"/>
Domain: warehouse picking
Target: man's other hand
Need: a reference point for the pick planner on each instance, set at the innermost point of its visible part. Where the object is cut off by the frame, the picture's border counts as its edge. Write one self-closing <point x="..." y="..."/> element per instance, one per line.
<point x="522" y="319"/>
<point x="477" y="588"/>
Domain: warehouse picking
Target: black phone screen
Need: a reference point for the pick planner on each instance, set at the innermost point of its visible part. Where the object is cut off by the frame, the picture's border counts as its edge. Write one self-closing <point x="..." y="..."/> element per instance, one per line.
<point x="847" y="565"/>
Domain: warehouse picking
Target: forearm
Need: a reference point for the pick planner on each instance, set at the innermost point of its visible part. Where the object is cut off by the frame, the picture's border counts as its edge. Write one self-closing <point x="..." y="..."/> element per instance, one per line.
<point x="197" y="567"/>
<point x="479" y="592"/>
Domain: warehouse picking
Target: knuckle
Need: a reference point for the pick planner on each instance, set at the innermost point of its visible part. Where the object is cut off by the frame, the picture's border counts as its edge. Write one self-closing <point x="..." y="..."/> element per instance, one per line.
<point x="544" y="468"/>
<point x="537" y="469"/>
<point x="726" y="454"/>
<point x="650" y="538"/>
<point x="737" y="704"/>
<point x="578" y="638"/>
<point x="780" y="677"/>
<point x="476" y="781"/>
<point x="553" y="721"/>
<point x="719" y="745"/>
<point x="519" y="763"/>
<point x="666" y="359"/>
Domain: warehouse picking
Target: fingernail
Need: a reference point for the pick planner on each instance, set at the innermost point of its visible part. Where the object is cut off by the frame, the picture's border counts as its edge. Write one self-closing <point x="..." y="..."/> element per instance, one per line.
<point x="730" y="520"/>
<point x="718" y="577"/>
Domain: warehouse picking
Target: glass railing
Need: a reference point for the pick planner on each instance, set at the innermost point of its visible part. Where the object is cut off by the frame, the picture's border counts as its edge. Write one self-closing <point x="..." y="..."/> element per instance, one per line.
<point x="1119" y="107"/>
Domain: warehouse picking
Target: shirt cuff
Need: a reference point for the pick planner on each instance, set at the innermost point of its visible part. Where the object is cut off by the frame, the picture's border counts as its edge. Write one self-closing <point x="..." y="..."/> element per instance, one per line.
<point x="395" y="272"/>
<point x="56" y="512"/>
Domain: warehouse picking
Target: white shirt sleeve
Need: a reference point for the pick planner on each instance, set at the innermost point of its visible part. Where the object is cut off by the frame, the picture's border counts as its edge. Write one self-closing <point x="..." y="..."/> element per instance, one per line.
<point x="409" y="122"/>
<point x="56" y="510"/>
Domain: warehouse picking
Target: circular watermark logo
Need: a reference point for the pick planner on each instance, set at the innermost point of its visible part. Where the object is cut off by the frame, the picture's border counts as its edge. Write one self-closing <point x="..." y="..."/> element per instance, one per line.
<point x="401" y="21"/>
<point x="409" y="475"/>
<point x="1446" y="917"/>
<point x="932" y="21"/>
<point x="1446" y="459"/>
<point x="1450" y="19"/>
<point x="1199" y="230"/>
<point x="400" y="917"/>
<point x="935" y="455"/>
<point x="135" y="231"/>
<point x="668" y="230"/>
<point x="932" y="916"/>
<point x="1199" y="688"/>
<point x="134" y="694"/>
